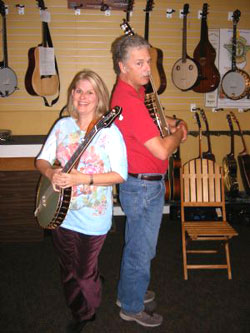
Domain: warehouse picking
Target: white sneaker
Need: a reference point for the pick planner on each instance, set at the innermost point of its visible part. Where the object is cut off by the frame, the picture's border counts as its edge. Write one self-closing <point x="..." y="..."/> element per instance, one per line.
<point x="149" y="297"/>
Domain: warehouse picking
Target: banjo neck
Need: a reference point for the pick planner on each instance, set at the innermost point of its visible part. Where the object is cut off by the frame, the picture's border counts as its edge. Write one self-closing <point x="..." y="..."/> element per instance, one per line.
<point x="4" y="36"/>
<point x="234" y="44"/>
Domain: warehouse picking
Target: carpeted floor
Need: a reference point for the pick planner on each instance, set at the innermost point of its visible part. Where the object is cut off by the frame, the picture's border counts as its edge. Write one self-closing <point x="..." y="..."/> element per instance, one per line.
<point x="31" y="298"/>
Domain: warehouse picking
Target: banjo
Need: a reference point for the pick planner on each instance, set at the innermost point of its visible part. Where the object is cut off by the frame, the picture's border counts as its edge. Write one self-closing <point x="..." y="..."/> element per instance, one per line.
<point x="8" y="79"/>
<point x="52" y="206"/>
<point x="185" y="72"/>
<point x="236" y="82"/>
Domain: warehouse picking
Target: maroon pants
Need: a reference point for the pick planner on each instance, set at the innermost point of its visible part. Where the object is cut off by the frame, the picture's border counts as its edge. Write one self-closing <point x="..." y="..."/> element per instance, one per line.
<point x="78" y="258"/>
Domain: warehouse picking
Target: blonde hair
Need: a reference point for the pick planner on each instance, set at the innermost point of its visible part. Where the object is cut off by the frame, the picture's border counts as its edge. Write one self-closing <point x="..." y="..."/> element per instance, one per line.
<point x="99" y="87"/>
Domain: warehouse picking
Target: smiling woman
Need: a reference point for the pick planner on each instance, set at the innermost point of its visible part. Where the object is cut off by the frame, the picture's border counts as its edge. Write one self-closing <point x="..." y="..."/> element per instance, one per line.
<point x="79" y="238"/>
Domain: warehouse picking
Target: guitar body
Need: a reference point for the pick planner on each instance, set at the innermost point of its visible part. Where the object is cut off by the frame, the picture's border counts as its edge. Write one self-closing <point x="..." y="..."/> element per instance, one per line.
<point x="244" y="165"/>
<point x="35" y="83"/>
<point x="157" y="70"/>
<point x="229" y="165"/>
<point x="185" y="74"/>
<point x="8" y="81"/>
<point x="52" y="206"/>
<point x="205" y="55"/>
<point x="235" y="84"/>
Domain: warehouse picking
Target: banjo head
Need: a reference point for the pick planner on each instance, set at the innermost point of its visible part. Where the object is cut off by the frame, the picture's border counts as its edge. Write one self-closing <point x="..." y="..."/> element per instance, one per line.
<point x="185" y="74"/>
<point x="235" y="84"/>
<point x="8" y="81"/>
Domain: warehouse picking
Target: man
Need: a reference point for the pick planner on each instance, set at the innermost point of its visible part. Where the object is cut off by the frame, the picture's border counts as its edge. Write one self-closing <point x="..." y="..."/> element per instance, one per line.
<point x="142" y="196"/>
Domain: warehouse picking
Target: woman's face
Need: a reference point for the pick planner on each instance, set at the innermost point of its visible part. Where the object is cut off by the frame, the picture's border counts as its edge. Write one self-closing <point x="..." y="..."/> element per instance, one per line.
<point x="84" y="98"/>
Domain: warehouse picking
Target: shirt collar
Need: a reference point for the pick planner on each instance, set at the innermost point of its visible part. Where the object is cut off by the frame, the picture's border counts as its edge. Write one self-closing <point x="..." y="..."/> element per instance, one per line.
<point x="128" y="87"/>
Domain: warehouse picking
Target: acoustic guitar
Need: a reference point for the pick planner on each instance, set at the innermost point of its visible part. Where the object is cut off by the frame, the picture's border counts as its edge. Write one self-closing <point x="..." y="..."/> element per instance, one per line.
<point x="243" y="159"/>
<point x="157" y="70"/>
<point x="204" y="55"/>
<point x="229" y="165"/>
<point x="52" y="206"/>
<point x="207" y="154"/>
<point x="235" y="82"/>
<point x="185" y="72"/>
<point x="8" y="78"/>
<point x="152" y="101"/>
<point x="35" y="83"/>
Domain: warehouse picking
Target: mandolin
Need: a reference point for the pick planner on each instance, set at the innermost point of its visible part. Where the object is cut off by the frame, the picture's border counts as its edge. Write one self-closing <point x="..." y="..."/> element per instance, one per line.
<point x="51" y="206"/>
<point x="229" y="165"/>
<point x="204" y="55"/>
<point x="185" y="72"/>
<point x="243" y="159"/>
<point x="8" y="78"/>
<point x="236" y="82"/>
<point x="152" y="101"/>
<point x="35" y="83"/>
<point x="157" y="70"/>
<point x="207" y="154"/>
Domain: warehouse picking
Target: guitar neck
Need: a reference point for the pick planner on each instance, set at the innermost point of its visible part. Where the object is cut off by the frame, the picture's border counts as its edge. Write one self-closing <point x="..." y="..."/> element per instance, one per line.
<point x="146" y="30"/>
<point x="204" y="36"/>
<point x="234" y="47"/>
<point x="184" y="39"/>
<point x="5" y="53"/>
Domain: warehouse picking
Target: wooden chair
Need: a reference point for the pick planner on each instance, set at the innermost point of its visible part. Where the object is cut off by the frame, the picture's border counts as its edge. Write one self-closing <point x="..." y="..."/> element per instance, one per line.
<point x="202" y="186"/>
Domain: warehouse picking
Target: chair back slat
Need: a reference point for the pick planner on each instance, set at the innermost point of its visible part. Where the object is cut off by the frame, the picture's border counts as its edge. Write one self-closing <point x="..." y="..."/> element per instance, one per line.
<point x="202" y="181"/>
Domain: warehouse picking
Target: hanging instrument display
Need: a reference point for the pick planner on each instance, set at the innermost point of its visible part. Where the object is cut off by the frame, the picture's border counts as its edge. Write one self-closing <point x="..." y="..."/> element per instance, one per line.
<point x="229" y="165"/>
<point x="185" y="72"/>
<point x="235" y="83"/>
<point x="8" y="78"/>
<point x="204" y="55"/>
<point x="207" y="154"/>
<point x="243" y="159"/>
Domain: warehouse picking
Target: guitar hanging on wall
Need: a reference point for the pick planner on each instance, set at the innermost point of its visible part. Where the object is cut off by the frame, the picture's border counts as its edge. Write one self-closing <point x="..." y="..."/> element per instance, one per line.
<point x="152" y="101"/>
<point x="204" y="55"/>
<point x="235" y="83"/>
<point x="8" y="78"/>
<point x="229" y="165"/>
<point x="38" y="84"/>
<point x="157" y="70"/>
<point x="185" y="72"/>
<point x="207" y="154"/>
<point x="243" y="159"/>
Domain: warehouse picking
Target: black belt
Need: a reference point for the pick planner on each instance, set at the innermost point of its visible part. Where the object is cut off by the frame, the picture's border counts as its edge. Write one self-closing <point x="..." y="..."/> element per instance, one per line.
<point x="146" y="177"/>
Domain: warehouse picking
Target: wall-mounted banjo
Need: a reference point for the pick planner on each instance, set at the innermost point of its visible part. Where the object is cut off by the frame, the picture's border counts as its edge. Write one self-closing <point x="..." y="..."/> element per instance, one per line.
<point x="8" y="79"/>
<point x="236" y="82"/>
<point x="185" y="72"/>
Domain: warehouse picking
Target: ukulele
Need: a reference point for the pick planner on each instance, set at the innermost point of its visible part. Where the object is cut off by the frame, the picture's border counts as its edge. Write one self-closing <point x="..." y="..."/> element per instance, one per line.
<point x="35" y="83"/>
<point x="204" y="55"/>
<point x="185" y="72"/>
<point x="172" y="182"/>
<point x="229" y="165"/>
<point x="157" y="70"/>
<point x="243" y="159"/>
<point x="236" y="82"/>
<point x="152" y="101"/>
<point x="8" y="78"/>
<point x="207" y="154"/>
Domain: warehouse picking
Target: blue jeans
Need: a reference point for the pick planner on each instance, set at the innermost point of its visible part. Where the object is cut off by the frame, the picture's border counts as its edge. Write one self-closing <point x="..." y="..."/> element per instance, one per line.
<point x="142" y="202"/>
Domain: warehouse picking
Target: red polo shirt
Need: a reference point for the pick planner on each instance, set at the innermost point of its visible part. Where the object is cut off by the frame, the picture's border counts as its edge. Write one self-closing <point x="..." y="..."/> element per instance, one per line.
<point x="137" y="127"/>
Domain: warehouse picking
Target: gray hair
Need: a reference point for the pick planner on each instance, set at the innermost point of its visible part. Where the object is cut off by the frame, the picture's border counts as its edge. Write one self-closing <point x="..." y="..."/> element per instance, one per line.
<point x="121" y="46"/>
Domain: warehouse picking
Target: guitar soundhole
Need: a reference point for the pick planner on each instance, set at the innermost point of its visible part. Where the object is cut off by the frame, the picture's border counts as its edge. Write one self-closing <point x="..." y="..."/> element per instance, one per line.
<point x="190" y="67"/>
<point x="178" y="68"/>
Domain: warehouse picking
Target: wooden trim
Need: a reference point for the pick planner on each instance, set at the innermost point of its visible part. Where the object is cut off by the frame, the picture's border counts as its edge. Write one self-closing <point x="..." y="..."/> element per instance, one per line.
<point x="17" y="164"/>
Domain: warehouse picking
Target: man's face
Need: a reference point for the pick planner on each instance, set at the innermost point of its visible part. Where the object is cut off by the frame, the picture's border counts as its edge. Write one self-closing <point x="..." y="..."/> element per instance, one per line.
<point x="136" y="69"/>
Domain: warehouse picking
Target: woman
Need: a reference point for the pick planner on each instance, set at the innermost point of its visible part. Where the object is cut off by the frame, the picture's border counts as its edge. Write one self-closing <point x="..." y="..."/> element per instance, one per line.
<point x="79" y="239"/>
